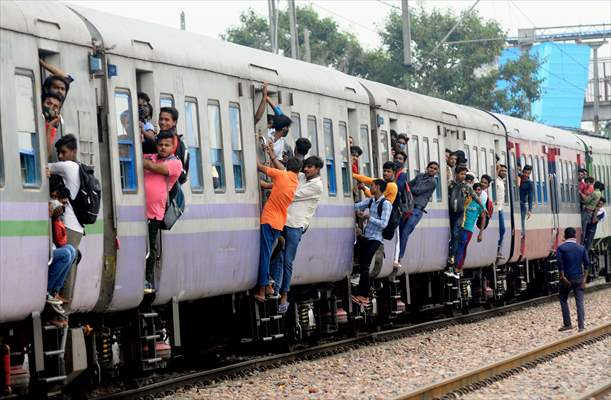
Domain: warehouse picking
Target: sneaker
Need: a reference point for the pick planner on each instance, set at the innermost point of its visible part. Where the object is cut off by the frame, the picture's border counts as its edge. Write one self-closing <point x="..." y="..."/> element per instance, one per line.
<point x="283" y="308"/>
<point x="53" y="300"/>
<point x="565" y="328"/>
<point x="581" y="329"/>
<point x="396" y="265"/>
<point x="62" y="299"/>
<point x="58" y="321"/>
<point x="148" y="288"/>
<point x="451" y="260"/>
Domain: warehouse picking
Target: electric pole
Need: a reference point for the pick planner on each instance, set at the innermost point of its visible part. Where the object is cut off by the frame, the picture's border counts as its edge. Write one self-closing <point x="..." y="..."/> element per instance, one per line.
<point x="293" y="29"/>
<point x="183" y="23"/>
<point x="273" y="25"/>
<point x="306" y="45"/>
<point x="407" y="34"/>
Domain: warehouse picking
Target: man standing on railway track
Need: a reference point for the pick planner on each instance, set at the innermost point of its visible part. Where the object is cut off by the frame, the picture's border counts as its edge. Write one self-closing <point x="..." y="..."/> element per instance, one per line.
<point x="573" y="265"/>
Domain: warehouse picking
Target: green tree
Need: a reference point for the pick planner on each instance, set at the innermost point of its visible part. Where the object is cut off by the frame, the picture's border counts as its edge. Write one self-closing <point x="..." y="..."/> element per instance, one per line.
<point x="328" y="45"/>
<point x="463" y="72"/>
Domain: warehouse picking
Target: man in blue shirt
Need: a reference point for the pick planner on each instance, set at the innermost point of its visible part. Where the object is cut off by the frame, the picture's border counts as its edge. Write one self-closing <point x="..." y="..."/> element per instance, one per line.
<point x="573" y="265"/>
<point x="527" y="194"/>
<point x="376" y="211"/>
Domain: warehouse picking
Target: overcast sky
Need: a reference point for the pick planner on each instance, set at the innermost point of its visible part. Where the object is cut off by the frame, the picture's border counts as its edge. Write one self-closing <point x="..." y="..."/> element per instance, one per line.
<point x="361" y="17"/>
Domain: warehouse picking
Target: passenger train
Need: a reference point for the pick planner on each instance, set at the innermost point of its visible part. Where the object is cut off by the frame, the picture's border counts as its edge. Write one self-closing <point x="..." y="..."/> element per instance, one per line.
<point x="209" y="259"/>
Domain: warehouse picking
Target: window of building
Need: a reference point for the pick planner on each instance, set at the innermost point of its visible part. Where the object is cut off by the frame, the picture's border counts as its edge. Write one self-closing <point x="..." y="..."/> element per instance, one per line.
<point x="436" y="156"/>
<point x="124" y="123"/>
<point x="345" y="157"/>
<point x="313" y="134"/>
<point x="166" y="100"/>
<point x="237" y="150"/>
<point x="216" y="146"/>
<point x="27" y="132"/>
<point x="192" y="139"/>
<point x="384" y="146"/>
<point x="365" y="159"/>
<point x="414" y="154"/>
<point x="327" y="125"/>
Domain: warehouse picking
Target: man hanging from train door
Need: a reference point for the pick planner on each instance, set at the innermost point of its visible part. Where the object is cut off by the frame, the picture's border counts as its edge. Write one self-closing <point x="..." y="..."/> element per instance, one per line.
<point x="589" y="205"/>
<point x="501" y="174"/>
<point x="527" y="194"/>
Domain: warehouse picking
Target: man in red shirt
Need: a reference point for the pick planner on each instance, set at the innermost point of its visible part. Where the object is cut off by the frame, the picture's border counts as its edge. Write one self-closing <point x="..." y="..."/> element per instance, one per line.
<point x="161" y="171"/>
<point x="355" y="153"/>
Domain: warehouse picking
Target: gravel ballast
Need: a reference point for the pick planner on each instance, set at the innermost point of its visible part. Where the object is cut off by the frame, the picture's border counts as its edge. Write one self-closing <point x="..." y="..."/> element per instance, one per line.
<point x="386" y="370"/>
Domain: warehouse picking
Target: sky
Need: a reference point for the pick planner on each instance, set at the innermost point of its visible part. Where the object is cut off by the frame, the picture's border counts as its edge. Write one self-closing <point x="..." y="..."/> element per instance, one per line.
<point x="364" y="18"/>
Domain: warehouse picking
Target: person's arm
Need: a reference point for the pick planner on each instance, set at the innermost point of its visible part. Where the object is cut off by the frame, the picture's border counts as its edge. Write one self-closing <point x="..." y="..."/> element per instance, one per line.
<point x="307" y="192"/>
<point x="262" y="168"/>
<point x="563" y="279"/>
<point x="261" y="108"/>
<point x="55" y="70"/>
<point x="277" y="110"/>
<point x="57" y="168"/>
<point x="158" y="168"/>
<point x="531" y="195"/>
<point x="51" y="132"/>
<point x="383" y="220"/>
<point x="266" y="185"/>
<point x="361" y="205"/>
<point x="475" y="197"/>
<point x="363" y="179"/>
<point x="276" y="163"/>
<point x="586" y="264"/>
<point x="391" y="192"/>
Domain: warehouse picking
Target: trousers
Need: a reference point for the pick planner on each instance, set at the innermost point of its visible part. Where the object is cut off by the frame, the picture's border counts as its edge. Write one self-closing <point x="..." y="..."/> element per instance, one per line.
<point x="461" y="254"/>
<point x="501" y="228"/>
<point x="586" y="218"/>
<point x="74" y="239"/>
<point x="151" y="261"/>
<point x="365" y="251"/>
<point x="563" y="293"/>
<point x="456" y="235"/>
<point x="266" y="244"/>
<point x="63" y="257"/>
<point x="589" y="236"/>
<point x="282" y="265"/>
<point x="406" y="227"/>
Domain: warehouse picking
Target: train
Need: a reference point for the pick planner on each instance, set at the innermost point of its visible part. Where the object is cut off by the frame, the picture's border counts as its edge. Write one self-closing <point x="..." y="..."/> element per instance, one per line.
<point x="208" y="261"/>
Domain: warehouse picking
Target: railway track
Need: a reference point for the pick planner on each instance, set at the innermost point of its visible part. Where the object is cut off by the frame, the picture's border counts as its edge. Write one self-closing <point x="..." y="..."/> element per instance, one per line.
<point x="478" y="378"/>
<point x="190" y="380"/>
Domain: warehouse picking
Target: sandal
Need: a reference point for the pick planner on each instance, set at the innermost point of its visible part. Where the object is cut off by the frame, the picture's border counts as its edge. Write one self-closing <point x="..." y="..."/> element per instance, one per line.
<point x="260" y="299"/>
<point x="283" y="308"/>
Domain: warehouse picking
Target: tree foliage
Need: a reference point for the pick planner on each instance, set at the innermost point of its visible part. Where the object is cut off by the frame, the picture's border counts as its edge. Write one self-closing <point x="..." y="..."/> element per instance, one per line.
<point x="465" y="72"/>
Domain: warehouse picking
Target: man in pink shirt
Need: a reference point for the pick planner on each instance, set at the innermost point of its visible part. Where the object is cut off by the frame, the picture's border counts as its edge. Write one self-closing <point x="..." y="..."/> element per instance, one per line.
<point x="161" y="171"/>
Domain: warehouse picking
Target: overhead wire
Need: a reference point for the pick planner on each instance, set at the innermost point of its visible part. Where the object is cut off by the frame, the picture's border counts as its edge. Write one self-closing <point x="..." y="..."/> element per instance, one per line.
<point x="344" y="18"/>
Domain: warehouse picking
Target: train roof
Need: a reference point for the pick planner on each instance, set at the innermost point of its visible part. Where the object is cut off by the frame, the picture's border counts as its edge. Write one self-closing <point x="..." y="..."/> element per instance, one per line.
<point x="405" y="102"/>
<point x="157" y="43"/>
<point x="528" y="130"/>
<point x="598" y="145"/>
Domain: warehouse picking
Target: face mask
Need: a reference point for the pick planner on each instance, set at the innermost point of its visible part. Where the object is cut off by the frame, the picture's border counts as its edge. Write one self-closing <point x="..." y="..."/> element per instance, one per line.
<point x="142" y="113"/>
<point x="49" y="113"/>
<point x="402" y="146"/>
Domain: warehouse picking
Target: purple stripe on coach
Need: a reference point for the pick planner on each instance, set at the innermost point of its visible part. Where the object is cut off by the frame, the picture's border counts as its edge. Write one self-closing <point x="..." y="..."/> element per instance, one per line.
<point x="23" y="211"/>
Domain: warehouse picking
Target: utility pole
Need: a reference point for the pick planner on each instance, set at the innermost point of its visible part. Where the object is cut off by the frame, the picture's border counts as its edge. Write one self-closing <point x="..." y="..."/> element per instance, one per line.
<point x="407" y="34"/>
<point x="273" y="25"/>
<point x="293" y="29"/>
<point x="183" y="23"/>
<point x="596" y="84"/>
<point x="306" y="45"/>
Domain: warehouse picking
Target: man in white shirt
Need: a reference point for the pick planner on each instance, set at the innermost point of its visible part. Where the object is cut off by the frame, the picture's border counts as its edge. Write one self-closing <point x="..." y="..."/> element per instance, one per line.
<point x="501" y="174"/>
<point x="68" y="169"/>
<point x="277" y="136"/>
<point x="300" y="212"/>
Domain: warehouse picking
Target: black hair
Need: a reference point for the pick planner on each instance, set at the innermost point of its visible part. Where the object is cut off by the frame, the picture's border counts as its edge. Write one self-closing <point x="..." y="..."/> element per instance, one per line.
<point x="486" y="177"/>
<point x="527" y="168"/>
<point x="502" y="166"/>
<point x="280" y="122"/>
<point x="585" y="171"/>
<point x="403" y="136"/>
<point x="477" y="185"/>
<point x="68" y="140"/>
<point x="589" y="179"/>
<point x="401" y="153"/>
<point x="55" y="96"/>
<point x="449" y="151"/>
<point x="469" y="177"/>
<point x="381" y="183"/>
<point x="293" y="165"/>
<point x="389" y="165"/>
<point x="63" y="193"/>
<point x="170" y="110"/>
<point x="46" y="86"/>
<point x="314" y="161"/>
<point x="144" y="96"/>
<point x="432" y="163"/>
<point x="302" y="146"/>
<point x="599" y="185"/>
<point x="460" y="169"/>
<point x="603" y="200"/>
<point x="393" y="133"/>
<point x="570" y="233"/>
<point x="356" y="150"/>
<point x="166" y="134"/>
<point x="460" y="156"/>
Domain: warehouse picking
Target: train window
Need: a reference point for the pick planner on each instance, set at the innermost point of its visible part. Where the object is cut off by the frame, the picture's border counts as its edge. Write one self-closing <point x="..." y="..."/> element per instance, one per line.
<point x="537" y="179"/>
<point x="27" y="135"/>
<point x="124" y="123"/>
<point x="561" y="176"/>
<point x="384" y="146"/>
<point x="475" y="162"/>
<point x="426" y="151"/>
<point x="608" y="184"/>
<point x="492" y="173"/>
<point x="414" y="151"/>
<point x="533" y="177"/>
<point x="192" y="139"/>
<point x="166" y="100"/>
<point x="327" y="125"/>
<point x="468" y="156"/>
<point x="345" y="157"/>
<point x="436" y="157"/>
<point x="543" y="178"/>
<point x="516" y="190"/>
<point x="295" y="126"/>
<point x="522" y="161"/>
<point x="216" y="146"/>
<point x="570" y="196"/>
<point x="366" y="157"/>
<point x="237" y="150"/>
<point x="482" y="162"/>
<point x="313" y="134"/>
<point x="573" y="167"/>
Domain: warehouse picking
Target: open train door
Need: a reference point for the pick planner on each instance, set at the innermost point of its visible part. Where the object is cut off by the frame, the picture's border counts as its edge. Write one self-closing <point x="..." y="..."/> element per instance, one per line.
<point x="552" y="178"/>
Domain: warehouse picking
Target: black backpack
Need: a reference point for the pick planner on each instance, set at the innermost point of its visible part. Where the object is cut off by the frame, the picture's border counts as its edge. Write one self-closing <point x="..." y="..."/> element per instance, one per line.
<point x="86" y="204"/>
<point x="389" y="231"/>
<point x="457" y="199"/>
<point x="405" y="200"/>
<point x="183" y="155"/>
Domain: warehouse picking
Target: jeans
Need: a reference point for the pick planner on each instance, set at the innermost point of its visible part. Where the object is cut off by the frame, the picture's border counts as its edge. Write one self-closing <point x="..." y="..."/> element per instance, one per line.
<point x="456" y="235"/>
<point x="365" y="251"/>
<point x="63" y="258"/>
<point x="564" y="305"/>
<point x="151" y="261"/>
<point x="461" y="253"/>
<point x="589" y="236"/>
<point x="501" y="228"/>
<point x="523" y="213"/>
<point x="282" y="266"/>
<point x="74" y="239"/>
<point x="268" y="237"/>
<point x="586" y="219"/>
<point x="406" y="227"/>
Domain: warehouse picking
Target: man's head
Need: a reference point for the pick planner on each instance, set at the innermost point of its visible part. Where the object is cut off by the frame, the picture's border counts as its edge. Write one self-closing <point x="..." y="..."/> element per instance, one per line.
<point x="527" y="171"/>
<point x="55" y="208"/>
<point x="402" y="141"/>
<point x="400" y="158"/>
<point x="460" y="173"/>
<point x="281" y="124"/>
<point x="570" y="233"/>
<point x="432" y="168"/>
<point x="582" y="173"/>
<point x="51" y="104"/>
<point x="312" y="166"/>
<point x="355" y="153"/>
<point x="378" y="187"/>
<point x="144" y="106"/>
<point x="598" y="185"/>
<point x="168" y="118"/>
<point x="62" y="194"/>
<point x="470" y="178"/>
<point x="461" y="159"/>
<point x="501" y="171"/>
<point x="477" y="187"/>
<point x="601" y="202"/>
<point x="56" y="85"/>
<point x="485" y="181"/>
<point x="165" y="143"/>
<point x="389" y="168"/>
<point x="451" y="160"/>
<point x="589" y="180"/>
<point x="66" y="148"/>
<point x="448" y="153"/>
<point x="293" y="165"/>
<point x="302" y="146"/>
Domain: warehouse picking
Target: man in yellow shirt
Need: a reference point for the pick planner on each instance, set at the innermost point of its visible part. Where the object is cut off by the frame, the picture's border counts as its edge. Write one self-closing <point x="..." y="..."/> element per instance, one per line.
<point x="390" y="193"/>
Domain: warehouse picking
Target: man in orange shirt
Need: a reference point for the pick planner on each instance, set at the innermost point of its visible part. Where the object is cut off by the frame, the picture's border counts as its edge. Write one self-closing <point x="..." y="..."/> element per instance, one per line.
<point x="273" y="217"/>
<point x="389" y="170"/>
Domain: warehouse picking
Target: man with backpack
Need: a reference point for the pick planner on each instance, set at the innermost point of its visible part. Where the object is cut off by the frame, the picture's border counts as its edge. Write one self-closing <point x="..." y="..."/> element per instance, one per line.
<point x="421" y="188"/>
<point x="389" y="171"/>
<point x="161" y="172"/>
<point x="376" y="212"/>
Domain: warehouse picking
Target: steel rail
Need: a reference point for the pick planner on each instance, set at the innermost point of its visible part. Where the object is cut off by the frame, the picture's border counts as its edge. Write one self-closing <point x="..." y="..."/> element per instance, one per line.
<point x="480" y="377"/>
<point x="596" y="393"/>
